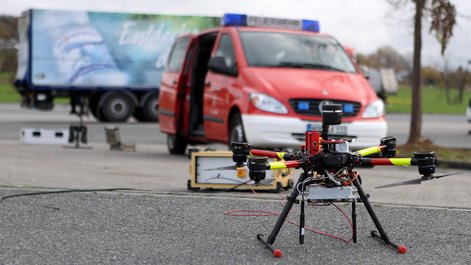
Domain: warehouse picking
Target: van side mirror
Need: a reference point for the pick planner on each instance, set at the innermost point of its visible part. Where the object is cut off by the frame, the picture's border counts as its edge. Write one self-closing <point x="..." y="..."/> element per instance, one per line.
<point x="365" y="71"/>
<point x="217" y="64"/>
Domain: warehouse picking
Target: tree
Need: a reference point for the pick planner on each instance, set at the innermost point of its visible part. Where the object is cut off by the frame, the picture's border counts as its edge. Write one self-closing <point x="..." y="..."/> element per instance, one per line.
<point x="443" y="20"/>
<point x="8" y="40"/>
<point x="432" y="77"/>
<point x="385" y="57"/>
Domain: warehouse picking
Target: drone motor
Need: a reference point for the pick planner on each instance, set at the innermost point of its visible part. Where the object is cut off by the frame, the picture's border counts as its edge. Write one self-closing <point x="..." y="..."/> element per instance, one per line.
<point x="426" y="162"/>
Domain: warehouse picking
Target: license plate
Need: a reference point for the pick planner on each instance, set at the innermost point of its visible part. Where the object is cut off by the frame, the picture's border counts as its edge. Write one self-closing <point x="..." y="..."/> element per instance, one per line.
<point x="333" y="129"/>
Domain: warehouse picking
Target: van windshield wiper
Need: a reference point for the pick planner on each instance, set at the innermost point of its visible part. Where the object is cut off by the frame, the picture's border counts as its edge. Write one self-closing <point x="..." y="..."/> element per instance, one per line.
<point x="308" y="66"/>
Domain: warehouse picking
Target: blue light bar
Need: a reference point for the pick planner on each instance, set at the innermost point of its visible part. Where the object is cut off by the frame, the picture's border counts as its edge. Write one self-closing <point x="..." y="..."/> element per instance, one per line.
<point x="311" y="25"/>
<point x="241" y="20"/>
<point x="234" y="20"/>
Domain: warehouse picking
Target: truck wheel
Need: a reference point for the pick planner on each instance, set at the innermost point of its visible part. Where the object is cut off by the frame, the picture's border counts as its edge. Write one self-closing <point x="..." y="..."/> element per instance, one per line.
<point x="138" y="115"/>
<point x="150" y="110"/>
<point x="176" y="144"/>
<point x="93" y="107"/>
<point x="236" y="130"/>
<point x="117" y="107"/>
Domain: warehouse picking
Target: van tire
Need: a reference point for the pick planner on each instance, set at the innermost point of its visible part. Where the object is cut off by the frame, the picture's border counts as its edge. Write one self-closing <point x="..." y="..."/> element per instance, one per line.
<point x="117" y="107"/>
<point x="176" y="144"/>
<point x="236" y="130"/>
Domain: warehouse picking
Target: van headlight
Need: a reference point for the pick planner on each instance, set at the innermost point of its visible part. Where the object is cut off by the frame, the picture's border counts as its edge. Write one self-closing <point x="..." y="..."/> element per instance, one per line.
<point x="374" y="110"/>
<point x="267" y="103"/>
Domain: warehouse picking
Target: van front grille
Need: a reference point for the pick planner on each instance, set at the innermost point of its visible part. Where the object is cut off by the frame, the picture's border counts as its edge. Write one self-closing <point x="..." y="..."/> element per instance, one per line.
<point x="311" y="106"/>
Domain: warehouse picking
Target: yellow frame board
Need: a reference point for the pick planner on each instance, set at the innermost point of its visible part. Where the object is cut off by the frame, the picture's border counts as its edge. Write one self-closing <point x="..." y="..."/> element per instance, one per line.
<point x="282" y="178"/>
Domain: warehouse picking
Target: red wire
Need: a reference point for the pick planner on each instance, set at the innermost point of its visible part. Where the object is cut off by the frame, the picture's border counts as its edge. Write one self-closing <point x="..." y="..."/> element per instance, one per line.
<point x="326" y="234"/>
<point x="270" y="213"/>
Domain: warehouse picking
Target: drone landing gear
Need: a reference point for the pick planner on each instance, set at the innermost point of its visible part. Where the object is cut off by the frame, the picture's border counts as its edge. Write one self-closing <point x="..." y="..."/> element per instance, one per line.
<point x="281" y="219"/>
<point x="380" y="234"/>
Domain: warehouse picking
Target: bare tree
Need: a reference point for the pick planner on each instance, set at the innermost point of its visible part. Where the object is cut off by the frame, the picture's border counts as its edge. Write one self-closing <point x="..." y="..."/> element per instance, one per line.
<point x="443" y="19"/>
<point x="415" y="133"/>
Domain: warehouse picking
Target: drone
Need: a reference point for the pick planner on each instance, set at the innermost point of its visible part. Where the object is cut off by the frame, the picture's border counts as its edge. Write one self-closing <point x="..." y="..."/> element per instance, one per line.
<point x="328" y="173"/>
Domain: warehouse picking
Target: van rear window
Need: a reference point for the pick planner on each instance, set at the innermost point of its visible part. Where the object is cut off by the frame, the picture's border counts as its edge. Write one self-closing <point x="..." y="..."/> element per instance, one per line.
<point x="177" y="55"/>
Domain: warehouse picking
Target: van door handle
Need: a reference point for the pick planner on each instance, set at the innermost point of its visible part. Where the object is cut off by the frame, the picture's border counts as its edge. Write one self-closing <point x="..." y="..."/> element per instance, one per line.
<point x="208" y="84"/>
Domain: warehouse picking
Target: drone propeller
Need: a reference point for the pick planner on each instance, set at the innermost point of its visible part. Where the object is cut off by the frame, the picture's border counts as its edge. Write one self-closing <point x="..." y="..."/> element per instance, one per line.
<point x="234" y="167"/>
<point x="417" y="181"/>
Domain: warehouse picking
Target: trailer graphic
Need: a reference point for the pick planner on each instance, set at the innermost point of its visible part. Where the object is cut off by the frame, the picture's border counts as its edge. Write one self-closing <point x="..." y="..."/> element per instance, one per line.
<point x="113" y="61"/>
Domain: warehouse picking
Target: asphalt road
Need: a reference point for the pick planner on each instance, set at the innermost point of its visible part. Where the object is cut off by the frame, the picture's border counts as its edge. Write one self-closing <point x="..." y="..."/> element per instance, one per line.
<point x="444" y="130"/>
<point x="162" y="223"/>
<point x="137" y="229"/>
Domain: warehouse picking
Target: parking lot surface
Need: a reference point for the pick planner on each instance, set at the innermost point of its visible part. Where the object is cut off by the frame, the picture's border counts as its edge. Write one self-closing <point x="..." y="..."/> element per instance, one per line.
<point x="164" y="229"/>
<point x="160" y="222"/>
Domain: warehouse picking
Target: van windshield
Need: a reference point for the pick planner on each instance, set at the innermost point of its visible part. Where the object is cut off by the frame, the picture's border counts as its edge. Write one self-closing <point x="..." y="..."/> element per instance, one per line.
<point x="278" y="49"/>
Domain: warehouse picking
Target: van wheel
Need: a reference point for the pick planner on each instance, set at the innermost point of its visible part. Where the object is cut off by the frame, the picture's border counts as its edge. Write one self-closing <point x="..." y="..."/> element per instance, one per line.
<point x="176" y="144"/>
<point x="236" y="130"/>
<point x="117" y="107"/>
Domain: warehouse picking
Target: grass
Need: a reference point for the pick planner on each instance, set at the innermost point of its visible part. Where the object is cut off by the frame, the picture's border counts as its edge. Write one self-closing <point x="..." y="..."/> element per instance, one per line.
<point x="7" y="90"/>
<point x="434" y="101"/>
<point x="444" y="154"/>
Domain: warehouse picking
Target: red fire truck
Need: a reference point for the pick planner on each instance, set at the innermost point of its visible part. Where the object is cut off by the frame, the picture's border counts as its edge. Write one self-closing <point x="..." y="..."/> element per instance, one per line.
<point x="264" y="81"/>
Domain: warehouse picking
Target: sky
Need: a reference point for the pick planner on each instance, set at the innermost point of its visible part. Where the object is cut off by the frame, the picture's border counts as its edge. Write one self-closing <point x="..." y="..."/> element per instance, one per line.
<point x="364" y="25"/>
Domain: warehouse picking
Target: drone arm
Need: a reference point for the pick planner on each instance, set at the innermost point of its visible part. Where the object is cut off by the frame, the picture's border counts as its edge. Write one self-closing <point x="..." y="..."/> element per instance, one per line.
<point x="388" y="161"/>
<point x="413" y="161"/>
<point x="258" y="167"/>
<point x="370" y="150"/>
<point x="271" y="154"/>
<point x="283" y="164"/>
<point x="387" y="148"/>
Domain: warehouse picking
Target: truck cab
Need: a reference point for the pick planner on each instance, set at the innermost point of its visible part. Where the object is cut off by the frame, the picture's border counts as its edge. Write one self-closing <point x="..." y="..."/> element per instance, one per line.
<point x="263" y="81"/>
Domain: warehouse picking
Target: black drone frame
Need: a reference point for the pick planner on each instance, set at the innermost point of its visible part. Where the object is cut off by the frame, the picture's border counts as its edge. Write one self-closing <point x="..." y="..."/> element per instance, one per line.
<point x="319" y="155"/>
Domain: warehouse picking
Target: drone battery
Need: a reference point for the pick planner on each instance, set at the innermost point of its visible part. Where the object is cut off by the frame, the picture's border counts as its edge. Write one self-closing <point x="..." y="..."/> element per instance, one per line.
<point x="323" y="194"/>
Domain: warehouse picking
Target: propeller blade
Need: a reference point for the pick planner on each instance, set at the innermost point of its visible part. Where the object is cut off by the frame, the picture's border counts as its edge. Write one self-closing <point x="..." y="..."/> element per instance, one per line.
<point x="418" y="181"/>
<point x="450" y="174"/>
<point x="403" y="183"/>
<point x="234" y="167"/>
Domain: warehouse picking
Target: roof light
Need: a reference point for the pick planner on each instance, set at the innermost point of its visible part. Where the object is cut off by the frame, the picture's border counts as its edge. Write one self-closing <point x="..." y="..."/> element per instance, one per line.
<point x="267" y="22"/>
<point x="234" y="20"/>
